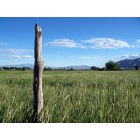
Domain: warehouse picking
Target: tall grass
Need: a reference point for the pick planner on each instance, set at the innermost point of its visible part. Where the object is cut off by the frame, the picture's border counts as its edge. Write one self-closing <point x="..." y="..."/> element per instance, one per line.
<point x="72" y="96"/>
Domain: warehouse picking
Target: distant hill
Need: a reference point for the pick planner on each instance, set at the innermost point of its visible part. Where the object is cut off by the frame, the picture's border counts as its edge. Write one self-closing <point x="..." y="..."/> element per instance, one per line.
<point x="79" y="67"/>
<point x="129" y="63"/>
<point x="123" y="64"/>
<point x="20" y="65"/>
<point x="84" y="67"/>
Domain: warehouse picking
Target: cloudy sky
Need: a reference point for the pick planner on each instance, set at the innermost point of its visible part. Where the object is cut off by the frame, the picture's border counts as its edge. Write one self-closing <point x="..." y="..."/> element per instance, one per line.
<point x="70" y="41"/>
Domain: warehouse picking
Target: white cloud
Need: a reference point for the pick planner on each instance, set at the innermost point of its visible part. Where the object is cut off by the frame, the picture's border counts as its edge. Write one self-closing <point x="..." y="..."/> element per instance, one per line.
<point x="15" y="51"/>
<point x="16" y="56"/>
<point x="138" y="41"/>
<point x="3" y="44"/>
<point x="10" y="51"/>
<point x="125" y="56"/>
<point x="88" y="57"/>
<point x="91" y="57"/>
<point x="72" y="56"/>
<point x="95" y="43"/>
<point x="65" y="43"/>
<point x="106" y="43"/>
<point x="19" y="57"/>
<point x="27" y="56"/>
<point x="130" y="56"/>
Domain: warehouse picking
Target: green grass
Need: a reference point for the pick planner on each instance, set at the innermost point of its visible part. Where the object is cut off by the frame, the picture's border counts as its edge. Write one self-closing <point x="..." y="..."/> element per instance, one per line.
<point x="72" y="96"/>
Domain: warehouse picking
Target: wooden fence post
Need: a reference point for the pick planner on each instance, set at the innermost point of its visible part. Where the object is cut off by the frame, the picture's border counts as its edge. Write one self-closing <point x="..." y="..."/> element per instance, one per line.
<point x="38" y="68"/>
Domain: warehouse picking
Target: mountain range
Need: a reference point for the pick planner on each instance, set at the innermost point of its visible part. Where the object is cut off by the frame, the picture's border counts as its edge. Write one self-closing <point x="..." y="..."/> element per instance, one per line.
<point x="20" y="65"/>
<point x="80" y="67"/>
<point x="129" y="63"/>
<point x="123" y="64"/>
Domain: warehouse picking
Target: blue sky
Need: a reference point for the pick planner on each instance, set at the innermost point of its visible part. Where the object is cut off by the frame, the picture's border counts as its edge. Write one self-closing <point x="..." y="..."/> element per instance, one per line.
<point x="70" y="41"/>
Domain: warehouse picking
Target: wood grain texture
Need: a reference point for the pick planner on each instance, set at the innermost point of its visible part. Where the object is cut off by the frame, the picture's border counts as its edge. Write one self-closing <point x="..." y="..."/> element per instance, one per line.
<point x="38" y="68"/>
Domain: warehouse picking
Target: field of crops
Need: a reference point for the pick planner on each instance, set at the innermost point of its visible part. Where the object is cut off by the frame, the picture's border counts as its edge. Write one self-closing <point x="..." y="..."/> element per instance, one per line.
<point x="72" y="96"/>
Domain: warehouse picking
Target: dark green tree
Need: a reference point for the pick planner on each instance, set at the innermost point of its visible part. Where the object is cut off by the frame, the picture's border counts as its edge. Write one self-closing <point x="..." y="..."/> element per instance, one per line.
<point x="110" y="65"/>
<point x="136" y="67"/>
<point x="94" y="68"/>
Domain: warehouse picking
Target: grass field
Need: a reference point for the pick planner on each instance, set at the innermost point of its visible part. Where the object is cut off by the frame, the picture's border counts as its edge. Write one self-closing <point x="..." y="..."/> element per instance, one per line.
<point x="72" y="96"/>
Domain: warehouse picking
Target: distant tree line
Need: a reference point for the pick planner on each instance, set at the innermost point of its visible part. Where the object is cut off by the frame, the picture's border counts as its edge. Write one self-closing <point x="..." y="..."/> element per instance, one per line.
<point x="111" y="66"/>
<point x="15" y="68"/>
<point x="97" y="68"/>
<point x="57" y="69"/>
<point x="136" y="67"/>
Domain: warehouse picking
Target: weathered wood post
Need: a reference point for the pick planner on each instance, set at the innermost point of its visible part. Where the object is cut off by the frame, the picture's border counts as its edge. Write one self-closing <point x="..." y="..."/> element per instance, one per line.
<point x="38" y="68"/>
